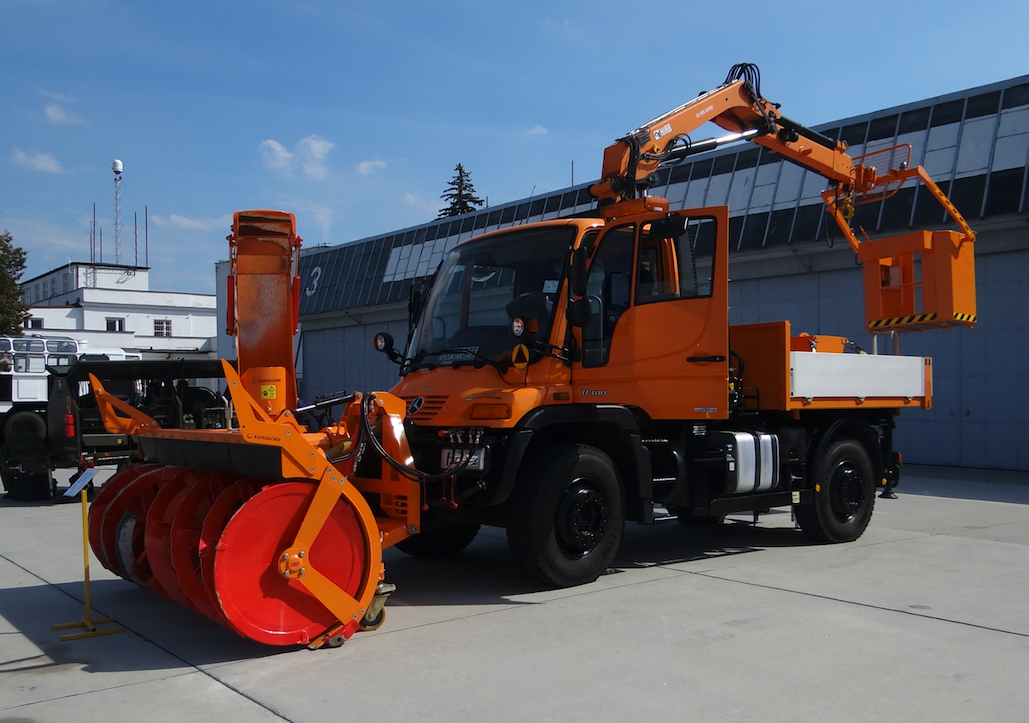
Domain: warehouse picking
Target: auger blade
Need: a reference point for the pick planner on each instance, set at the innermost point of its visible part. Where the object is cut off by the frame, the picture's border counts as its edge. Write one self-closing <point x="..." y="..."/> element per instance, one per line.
<point x="255" y="596"/>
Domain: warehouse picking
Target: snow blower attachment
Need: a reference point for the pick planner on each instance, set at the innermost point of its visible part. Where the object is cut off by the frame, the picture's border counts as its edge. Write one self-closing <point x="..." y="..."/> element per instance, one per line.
<point x="262" y="526"/>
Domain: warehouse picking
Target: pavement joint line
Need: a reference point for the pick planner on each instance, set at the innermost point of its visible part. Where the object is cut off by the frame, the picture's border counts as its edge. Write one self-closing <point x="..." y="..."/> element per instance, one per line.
<point x="95" y="690"/>
<point x="861" y="604"/>
<point x="157" y="645"/>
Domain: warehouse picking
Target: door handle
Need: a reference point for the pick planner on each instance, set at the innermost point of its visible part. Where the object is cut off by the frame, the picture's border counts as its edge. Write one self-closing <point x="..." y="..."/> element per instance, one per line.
<point x="698" y="359"/>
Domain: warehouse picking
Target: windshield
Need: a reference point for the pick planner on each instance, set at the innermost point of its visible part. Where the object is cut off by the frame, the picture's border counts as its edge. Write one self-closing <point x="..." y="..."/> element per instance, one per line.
<point x="481" y="286"/>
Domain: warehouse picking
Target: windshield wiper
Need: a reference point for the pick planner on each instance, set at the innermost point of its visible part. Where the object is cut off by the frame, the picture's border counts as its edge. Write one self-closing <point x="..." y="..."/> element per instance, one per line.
<point x="501" y="365"/>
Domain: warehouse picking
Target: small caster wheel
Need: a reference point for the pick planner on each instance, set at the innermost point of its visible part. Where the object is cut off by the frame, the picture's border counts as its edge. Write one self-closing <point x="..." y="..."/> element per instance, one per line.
<point x="374" y="624"/>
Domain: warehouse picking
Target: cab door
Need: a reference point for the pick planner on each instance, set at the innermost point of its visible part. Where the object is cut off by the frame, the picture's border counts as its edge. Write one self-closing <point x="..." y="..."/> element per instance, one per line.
<point x="658" y="335"/>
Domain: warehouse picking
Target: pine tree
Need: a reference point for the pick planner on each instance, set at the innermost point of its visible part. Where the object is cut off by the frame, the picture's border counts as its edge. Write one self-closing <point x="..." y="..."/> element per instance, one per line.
<point x="12" y="265"/>
<point x="460" y="195"/>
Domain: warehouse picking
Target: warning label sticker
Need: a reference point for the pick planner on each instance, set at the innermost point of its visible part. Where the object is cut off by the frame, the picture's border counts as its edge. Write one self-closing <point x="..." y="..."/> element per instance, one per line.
<point x="520" y="356"/>
<point x="267" y="391"/>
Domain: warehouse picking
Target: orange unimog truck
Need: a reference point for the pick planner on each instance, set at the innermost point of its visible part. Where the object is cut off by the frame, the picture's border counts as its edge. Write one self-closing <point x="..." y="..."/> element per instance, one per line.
<point x="560" y="378"/>
<point x="579" y="373"/>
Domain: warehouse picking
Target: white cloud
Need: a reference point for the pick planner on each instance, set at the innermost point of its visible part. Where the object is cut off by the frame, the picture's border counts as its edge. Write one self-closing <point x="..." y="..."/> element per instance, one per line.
<point x="36" y="161"/>
<point x="275" y="156"/>
<point x="537" y="130"/>
<point x="174" y="221"/>
<point x="312" y="152"/>
<point x="59" y="97"/>
<point x="57" y="114"/>
<point x="322" y="214"/>
<point x="366" y="168"/>
<point x="561" y="29"/>
<point x="421" y="205"/>
<point x="47" y="245"/>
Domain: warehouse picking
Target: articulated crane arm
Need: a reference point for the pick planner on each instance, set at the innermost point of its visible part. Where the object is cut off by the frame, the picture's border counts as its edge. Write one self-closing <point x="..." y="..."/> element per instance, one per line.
<point x="893" y="290"/>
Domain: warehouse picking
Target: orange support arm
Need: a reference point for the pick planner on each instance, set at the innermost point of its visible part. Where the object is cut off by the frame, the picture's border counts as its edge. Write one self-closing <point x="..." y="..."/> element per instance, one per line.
<point x="130" y="424"/>
<point x="735" y="106"/>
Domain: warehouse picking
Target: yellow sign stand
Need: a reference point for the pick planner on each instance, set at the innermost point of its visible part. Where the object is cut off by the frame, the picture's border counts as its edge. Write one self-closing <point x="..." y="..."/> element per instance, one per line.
<point x="87" y="621"/>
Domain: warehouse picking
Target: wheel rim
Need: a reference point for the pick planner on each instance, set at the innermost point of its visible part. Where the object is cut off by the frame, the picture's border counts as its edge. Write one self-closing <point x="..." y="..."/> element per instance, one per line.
<point x="582" y="519"/>
<point x="847" y="491"/>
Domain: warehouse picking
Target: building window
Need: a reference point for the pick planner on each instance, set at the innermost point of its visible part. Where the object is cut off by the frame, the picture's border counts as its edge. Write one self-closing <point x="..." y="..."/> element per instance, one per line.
<point x="32" y="323"/>
<point x="116" y="325"/>
<point x="67" y="282"/>
<point x="162" y="327"/>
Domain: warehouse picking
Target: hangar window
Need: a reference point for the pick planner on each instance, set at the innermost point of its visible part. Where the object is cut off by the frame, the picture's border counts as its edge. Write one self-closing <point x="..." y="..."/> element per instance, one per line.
<point x="949" y="112"/>
<point x="1005" y="191"/>
<point x="681" y="173"/>
<point x="914" y="120"/>
<point x="724" y="164"/>
<point x="854" y="134"/>
<point x="881" y="128"/>
<point x="1016" y="95"/>
<point x="980" y="105"/>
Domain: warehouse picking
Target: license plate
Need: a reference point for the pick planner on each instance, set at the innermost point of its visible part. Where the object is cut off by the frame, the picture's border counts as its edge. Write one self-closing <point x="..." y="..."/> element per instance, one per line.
<point x="454" y="457"/>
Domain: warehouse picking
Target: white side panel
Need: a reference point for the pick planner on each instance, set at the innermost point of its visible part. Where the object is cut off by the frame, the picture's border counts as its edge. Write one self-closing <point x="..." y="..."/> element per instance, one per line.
<point x="815" y="375"/>
<point x="29" y="390"/>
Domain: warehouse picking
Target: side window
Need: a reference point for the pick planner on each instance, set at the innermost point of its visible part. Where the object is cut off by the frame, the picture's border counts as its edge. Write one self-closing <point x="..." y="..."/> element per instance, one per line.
<point x="608" y="289"/>
<point x="676" y="261"/>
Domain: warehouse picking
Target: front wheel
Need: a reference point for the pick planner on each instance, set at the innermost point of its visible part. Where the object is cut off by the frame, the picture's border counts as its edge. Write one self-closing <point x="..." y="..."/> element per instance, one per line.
<point x="565" y="518"/>
<point x="844" y="494"/>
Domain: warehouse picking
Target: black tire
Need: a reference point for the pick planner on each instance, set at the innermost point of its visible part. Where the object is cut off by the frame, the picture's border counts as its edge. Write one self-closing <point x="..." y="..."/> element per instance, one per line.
<point x="444" y="542"/>
<point x="566" y="516"/>
<point x="26" y="423"/>
<point x="844" y="486"/>
<point x="24" y="448"/>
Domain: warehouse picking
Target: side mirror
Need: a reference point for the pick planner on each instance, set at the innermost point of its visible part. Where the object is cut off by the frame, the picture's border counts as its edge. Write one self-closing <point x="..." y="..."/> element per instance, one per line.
<point x="577" y="274"/>
<point x="383" y="343"/>
<point x="579" y="313"/>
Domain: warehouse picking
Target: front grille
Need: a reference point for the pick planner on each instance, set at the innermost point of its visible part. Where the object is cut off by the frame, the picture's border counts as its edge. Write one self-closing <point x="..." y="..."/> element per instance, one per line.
<point x="430" y="407"/>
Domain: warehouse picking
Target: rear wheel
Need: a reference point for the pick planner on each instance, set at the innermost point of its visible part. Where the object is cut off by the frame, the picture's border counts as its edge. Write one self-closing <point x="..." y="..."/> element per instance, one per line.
<point x="444" y="542"/>
<point x="23" y="459"/>
<point x="566" y="518"/>
<point x="844" y="494"/>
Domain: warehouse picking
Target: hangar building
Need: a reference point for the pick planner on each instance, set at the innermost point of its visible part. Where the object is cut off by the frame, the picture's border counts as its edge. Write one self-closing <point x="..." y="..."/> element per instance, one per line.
<point x="785" y="263"/>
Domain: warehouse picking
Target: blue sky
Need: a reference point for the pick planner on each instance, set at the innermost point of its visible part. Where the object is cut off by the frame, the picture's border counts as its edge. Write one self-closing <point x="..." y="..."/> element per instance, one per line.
<point x="353" y="115"/>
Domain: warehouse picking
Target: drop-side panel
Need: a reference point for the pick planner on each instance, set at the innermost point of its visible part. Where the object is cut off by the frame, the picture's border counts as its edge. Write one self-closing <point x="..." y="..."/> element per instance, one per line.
<point x="862" y="376"/>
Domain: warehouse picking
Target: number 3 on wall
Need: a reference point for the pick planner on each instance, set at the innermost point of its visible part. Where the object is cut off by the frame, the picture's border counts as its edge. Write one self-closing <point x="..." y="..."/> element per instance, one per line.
<point x="316" y="274"/>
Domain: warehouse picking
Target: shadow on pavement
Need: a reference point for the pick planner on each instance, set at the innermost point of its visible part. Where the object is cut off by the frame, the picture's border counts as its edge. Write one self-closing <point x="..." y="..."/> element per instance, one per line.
<point x="484" y="574"/>
<point x="989" y="485"/>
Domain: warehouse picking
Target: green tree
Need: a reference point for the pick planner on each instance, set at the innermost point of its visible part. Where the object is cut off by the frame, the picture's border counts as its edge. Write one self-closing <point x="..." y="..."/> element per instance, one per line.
<point x="12" y="265"/>
<point x="460" y="195"/>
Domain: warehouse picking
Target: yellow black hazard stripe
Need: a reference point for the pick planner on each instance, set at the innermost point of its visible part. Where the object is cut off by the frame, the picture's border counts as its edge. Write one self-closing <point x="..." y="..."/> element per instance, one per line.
<point x="899" y="320"/>
<point x="917" y="319"/>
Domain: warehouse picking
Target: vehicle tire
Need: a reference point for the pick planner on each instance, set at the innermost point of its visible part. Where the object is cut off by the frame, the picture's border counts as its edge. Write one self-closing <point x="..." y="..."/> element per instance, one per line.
<point x="24" y="448"/>
<point x="844" y="484"/>
<point x="444" y="542"/>
<point x="566" y="516"/>
<point x="25" y="423"/>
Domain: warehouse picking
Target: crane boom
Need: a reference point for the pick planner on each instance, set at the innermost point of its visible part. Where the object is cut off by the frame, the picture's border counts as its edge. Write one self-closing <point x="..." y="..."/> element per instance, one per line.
<point x="738" y="106"/>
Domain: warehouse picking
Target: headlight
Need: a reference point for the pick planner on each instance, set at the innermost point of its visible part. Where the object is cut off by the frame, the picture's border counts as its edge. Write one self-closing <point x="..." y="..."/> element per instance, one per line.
<point x="517" y="326"/>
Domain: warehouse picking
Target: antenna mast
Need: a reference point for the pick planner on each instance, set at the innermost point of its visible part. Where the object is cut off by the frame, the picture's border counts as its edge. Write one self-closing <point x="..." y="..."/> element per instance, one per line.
<point x="117" y="168"/>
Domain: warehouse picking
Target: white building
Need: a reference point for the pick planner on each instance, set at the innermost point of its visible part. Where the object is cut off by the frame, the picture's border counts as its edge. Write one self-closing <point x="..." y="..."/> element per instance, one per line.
<point x="111" y="305"/>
